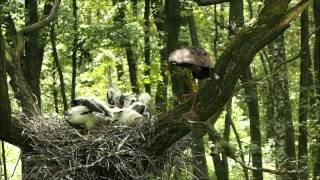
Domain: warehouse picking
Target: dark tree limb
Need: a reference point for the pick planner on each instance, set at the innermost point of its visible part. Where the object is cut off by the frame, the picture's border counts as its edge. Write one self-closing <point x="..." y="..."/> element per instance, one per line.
<point x="33" y="27"/>
<point x="53" y="40"/>
<point x="4" y="161"/>
<point x="215" y="93"/>
<point x="20" y="87"/>
<point x="210" y="2"/>
<point x="220" y="145"/>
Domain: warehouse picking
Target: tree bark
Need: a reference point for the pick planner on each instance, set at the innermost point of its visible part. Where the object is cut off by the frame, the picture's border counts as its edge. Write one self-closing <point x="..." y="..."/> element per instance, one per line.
<point x="180" y="78"/>
<point x="34" y="51"/>
<point x="226" y="137"/>
<point x="251" y="100"/>
<point x="161" y="93"/>
<point x="284" y="131"/>
<point x="9" y="130"/>
<point x="18" y="82"/>
<point x="117" y="21"/>
<point x="53" y="39"/>
<point x="236" y="20"/>
<point x="55" y="91"/>
<point x="200" y="168"/>
<point x="5" y="110"/>
<point x="316" y="122"/>
<point x="128" y="47"/>
<point x="193" y="30"/>
<point x="305" y="75"/>
<point x="147" y="46"/>
<point x="269" y="102"/>
<point x="74" y="49"/>
<point x="132" y="56"/>
<point x="132" y="63"/>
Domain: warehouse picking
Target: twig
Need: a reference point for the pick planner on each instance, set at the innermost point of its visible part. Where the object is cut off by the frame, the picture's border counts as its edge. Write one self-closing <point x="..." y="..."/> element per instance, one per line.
<point x="316" y="30"/>
<point x="4" y="161"/>
<point x="235" y="131"/>
<point x="16" y="165"/>
<point x="271" y="171"/>
<point x="228" y="149"/>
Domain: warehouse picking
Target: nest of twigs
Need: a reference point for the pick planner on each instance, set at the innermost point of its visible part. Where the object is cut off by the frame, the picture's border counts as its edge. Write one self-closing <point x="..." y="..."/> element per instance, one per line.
<point x="110" y="152"/>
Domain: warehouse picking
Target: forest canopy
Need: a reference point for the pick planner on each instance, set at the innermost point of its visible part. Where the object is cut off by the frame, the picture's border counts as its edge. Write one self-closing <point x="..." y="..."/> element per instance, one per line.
<point x="253" y="114"/>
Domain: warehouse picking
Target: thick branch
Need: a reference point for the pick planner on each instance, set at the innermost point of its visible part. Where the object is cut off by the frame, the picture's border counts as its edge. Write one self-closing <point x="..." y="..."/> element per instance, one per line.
<point x="44" y="22"/>
<point x="295" y="11"/>
<point x="33" y="27"/>
<point x="210" y="2"/>
<point x="215" y="93"/>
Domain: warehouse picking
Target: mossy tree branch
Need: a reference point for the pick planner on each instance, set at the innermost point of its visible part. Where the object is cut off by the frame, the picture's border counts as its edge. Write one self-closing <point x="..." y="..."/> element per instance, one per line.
<point x="237" y="56"/>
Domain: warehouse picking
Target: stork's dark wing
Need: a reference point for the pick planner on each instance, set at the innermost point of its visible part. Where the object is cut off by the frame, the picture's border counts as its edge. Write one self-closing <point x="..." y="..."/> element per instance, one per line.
<point x="92" y="105"/>
<point x="202" y="74"/>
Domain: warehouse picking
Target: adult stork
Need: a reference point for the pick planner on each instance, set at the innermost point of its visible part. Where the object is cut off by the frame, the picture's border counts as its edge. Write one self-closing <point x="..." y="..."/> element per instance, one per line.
<point x="195" y="59"/>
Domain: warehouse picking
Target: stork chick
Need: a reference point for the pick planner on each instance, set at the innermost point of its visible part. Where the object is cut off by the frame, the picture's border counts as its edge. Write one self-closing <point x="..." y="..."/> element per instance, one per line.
<point x="115" y="97"/>
<point x="88" y="113"/>
<point x="127" y="116"/>
<point x="81" y="117"/>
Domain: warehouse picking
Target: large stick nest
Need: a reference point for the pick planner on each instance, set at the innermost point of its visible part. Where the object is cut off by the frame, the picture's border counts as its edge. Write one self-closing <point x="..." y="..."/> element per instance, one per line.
<point x="110" y="152"/>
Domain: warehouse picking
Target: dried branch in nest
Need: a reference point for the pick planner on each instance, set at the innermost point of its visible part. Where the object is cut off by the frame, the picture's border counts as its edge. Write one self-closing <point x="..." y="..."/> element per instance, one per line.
<point x="61" y="152"/>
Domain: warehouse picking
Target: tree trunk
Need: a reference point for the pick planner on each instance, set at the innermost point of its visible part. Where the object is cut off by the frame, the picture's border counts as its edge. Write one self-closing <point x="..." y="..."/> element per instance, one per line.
<point x="53" y="39"/>
<point x="132" y="56"/>
<point x="161" y="93"/>
<point x="147" y="46"/>
<point x="128" y="47"/>
<point x="55" y="91"/>
<point x="254" y="117"/>
<point x="236" y="20"/>
<point x="316" y="123"/>
<point x="305" y="75"/>
<point x="193" y="30"/>
<point x="200" y="168"/>
<point x="9" y="130"/>
<point x="284" y="131"/>
<point x="132" y="63"/>
<point x="180" y="80"/>
<point x="226" y="137"/>
<point x="74" y="49"/>
<point x="269" y="102"/>
<point x="216" y="34"/>
<point x="5" y="110"/>
<point x="117" y="21"/>
<point x="34" y="50"/>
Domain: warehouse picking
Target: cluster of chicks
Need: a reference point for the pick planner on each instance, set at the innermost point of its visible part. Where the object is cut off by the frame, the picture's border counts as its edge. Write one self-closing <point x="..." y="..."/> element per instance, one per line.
<point x="119" y="109"/>
<point x="88" y="113"/>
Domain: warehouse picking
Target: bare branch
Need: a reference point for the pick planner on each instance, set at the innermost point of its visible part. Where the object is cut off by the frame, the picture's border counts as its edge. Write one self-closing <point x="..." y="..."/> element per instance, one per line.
<point x="44" y="22"/>
<point x="295" y="11"/>
<point x="271" y="171"/>
<point x="36" y="26"/>
<point x="229" y="150"/>
<point x="210" y="2"/>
